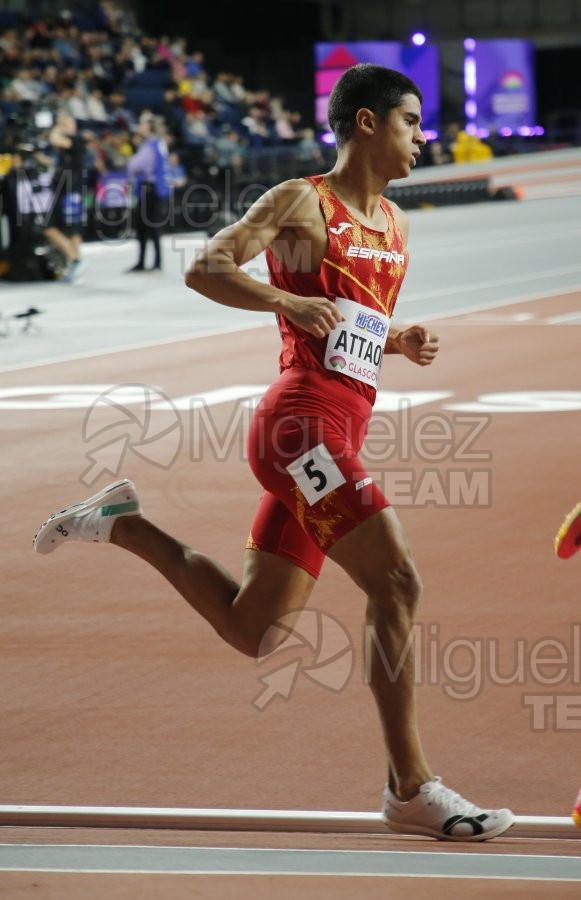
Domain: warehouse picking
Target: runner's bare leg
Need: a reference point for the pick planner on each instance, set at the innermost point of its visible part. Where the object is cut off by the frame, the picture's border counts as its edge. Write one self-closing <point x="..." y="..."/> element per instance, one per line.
<point x="241" y="613"/>
<point x="376" y="557"/>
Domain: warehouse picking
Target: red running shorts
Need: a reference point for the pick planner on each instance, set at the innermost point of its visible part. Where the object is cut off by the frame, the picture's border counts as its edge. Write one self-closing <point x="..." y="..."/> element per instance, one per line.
<point x="303" y="448"/>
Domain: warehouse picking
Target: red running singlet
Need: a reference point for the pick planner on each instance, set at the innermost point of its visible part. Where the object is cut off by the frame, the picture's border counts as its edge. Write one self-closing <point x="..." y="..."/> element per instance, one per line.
<point x="308" y="430"/>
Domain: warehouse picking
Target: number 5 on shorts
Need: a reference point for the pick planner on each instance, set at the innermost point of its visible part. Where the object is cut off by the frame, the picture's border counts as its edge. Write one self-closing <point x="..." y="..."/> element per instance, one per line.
<point x="316" y="474"/>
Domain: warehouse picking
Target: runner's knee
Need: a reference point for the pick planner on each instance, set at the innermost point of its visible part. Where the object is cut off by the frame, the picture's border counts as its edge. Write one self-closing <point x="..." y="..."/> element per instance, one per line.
<point x="256" y="635"/>
<point x="398" y="584"/>
<point x="258" y="644"/>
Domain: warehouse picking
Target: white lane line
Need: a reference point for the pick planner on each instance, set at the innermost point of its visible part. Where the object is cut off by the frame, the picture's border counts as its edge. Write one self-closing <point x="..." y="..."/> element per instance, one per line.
<point x="292" y="872"/>
<point x="494" y="304"/>
<point x="127" y="348"/>
<point x="191" y="238"/>
<point x="418" y="296"/>
<point x="473" y="286"/>
<point x="547" y="175"/>
<point x="551" y="192"/>
<point x="255" y="861"/>
<point x="518" y="164"/>
<point x="566" y="317"/>
<point x="488" y="239"/>
<point x="399" y="319"/>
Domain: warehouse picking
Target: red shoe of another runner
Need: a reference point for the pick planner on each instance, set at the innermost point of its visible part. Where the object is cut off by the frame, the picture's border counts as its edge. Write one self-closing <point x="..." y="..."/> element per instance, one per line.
<point x="568" y="539"/>
<point x="576" y="814"/>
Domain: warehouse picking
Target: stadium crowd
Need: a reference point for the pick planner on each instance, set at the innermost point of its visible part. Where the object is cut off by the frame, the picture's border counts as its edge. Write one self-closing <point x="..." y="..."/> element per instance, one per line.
<point x="104" y="72"/>
<point x="80" y="93"/>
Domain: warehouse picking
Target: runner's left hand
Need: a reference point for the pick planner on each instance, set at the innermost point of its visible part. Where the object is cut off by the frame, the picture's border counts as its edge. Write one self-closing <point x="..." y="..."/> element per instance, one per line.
<point x="419" y="344"/>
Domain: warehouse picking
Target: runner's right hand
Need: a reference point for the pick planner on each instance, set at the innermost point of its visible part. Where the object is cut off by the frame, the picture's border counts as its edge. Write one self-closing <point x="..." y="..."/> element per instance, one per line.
<point x="316" y="315"/>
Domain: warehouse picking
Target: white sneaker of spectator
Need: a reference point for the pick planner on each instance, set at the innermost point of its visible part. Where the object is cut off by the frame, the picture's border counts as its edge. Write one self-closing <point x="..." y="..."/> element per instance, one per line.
<point x="73" y="272"/>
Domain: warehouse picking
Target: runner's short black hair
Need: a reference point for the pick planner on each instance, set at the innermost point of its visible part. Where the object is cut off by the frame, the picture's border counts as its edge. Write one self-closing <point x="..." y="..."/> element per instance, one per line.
<point x="366" y="85"/>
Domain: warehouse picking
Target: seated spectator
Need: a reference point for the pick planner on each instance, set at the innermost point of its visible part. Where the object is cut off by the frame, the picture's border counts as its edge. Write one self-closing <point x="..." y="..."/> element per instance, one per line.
<point x="164" y="49"/>
<point x="172" y="110"/>
<point x="261" y="100"/>
<point x="176" y="172"/>
<point x="100" y="66"/>
<point x="469" y="148"/>
<point x="308" y="149"/>
<point x="96" y="107"/>
<point x="67" y="76"/>
<point x="66" y="43"/>
<point x="95" y="159"/>
<point x="178" y="69"/>
<point x="436" y="155"/>
<point x="256" y="128"/>
<point x="49" y="80"/>
<point x="24" y="87"/>
<point x="204" y="103"/>
<point x="113" y="18"/>
<point x="117" y="149"/>
<point x="229" y="152"/>
<point x="196" y="130"/>
<point x="222" y="88"/>
<point x="179" y="47"/>
<point x="276" y="106"/>
<point x="39" y="36"/>
<point x="194" y="62"/>
<point x="74" y="102"/>
<point x="238" y="90"/>
<point x="192" y="90"/>
<point x="283" y="126"/>
<point x="9" y="41"/>
<point x="132" y="54"/>
<point x="119" y="116"/>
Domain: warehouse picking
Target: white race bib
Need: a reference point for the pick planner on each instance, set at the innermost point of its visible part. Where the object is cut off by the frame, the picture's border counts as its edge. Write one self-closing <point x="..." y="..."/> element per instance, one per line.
<point x="355" y="346"/>
<point x="316" y="473"/>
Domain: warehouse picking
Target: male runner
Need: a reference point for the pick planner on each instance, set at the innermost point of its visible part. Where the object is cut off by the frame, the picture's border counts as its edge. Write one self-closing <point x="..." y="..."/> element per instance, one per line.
<point x="337" y="256"/>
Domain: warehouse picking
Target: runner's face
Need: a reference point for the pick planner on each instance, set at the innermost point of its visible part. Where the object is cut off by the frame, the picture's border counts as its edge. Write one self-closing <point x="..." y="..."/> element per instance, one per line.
<point x="403" y="136"/>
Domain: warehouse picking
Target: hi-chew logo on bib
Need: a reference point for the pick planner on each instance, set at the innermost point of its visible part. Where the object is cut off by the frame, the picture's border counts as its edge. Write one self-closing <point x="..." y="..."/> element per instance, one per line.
<point x="372" y="323"/>
<point x="358" y="342"/>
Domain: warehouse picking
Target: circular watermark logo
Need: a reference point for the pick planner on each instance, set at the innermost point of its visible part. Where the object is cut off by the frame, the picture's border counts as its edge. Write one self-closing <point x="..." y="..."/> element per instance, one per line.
<point x="328" y="646"/>
<point x="130" y="418"/>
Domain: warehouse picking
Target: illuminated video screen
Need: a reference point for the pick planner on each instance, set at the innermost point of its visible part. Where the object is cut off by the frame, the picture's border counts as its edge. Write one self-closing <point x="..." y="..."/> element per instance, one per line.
<point x="499" y="81"/>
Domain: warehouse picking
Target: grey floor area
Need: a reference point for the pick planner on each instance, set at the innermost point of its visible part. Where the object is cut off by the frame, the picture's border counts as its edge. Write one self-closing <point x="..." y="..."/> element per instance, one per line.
<point x="462" y="258"/>
<point x="208" y="860"/>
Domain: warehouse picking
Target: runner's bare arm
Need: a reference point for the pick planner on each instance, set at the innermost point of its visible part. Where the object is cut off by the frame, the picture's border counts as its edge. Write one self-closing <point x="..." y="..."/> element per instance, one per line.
<point x="416" y="343"/>
<point x="215" y="271"/>
<point x="402" y="220"/>
<point x="392" y="344"/>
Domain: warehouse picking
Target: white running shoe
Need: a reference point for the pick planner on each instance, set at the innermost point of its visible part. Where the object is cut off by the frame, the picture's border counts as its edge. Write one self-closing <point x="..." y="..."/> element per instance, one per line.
<point x="90" y="520"/>
<point x="73" y="274"/>
<point x="437" y="811"/>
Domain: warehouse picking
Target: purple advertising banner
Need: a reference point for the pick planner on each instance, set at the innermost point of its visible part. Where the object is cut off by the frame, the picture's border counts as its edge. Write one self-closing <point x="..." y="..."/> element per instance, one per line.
<point x="421" y="64"/>
<point x="504" y="89"/>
